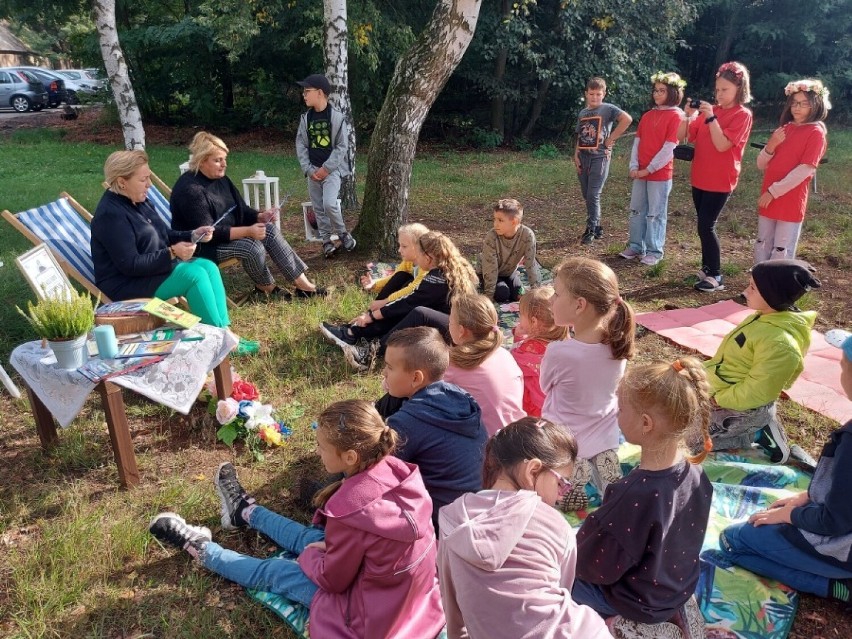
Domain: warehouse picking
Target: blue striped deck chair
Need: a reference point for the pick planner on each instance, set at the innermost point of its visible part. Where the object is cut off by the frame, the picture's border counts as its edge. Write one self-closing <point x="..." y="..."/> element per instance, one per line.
<point x="66" y="233"/>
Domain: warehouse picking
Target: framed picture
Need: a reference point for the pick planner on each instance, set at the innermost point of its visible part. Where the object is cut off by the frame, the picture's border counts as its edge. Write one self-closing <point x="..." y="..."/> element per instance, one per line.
<point x="43" y="273"/>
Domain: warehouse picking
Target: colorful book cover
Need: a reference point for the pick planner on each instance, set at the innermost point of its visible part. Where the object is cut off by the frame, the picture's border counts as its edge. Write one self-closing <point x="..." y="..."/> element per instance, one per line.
<point x="146" y="349"/>
<point x="98" y="370"/>
<point x="122" y="309"/>
<point x="161" y="335"/>
<point x="171" y="313"/>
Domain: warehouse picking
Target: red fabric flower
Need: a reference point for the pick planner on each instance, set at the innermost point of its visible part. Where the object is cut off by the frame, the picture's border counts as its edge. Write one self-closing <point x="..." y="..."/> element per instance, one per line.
<point x="244" y="391"/>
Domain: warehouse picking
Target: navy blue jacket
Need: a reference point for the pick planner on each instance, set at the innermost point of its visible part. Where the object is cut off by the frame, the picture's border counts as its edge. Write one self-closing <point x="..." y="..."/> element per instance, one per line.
<point x="130" y="247"/>
<point x="441" y="431"/>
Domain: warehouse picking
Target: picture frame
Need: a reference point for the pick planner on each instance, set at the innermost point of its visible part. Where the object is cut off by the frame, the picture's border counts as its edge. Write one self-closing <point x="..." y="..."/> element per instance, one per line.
<point x="43" y="273"/>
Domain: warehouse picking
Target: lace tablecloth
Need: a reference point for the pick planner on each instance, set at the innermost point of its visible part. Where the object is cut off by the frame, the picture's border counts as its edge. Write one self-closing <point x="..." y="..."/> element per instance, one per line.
<point x="174" y="382"/>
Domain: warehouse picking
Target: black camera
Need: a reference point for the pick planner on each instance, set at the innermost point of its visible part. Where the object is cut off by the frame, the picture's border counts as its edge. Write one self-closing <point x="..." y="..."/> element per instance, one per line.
<point x="695" y="103"/>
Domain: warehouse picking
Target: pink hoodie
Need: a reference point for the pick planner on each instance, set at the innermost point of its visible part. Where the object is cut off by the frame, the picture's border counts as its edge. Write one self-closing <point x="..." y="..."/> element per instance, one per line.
<point x="377" y="575"/>
<point x="506" y="562"/>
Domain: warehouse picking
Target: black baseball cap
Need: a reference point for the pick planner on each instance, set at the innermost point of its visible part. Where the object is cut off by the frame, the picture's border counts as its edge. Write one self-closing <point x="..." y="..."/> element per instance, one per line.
<point x="316" y="81"/>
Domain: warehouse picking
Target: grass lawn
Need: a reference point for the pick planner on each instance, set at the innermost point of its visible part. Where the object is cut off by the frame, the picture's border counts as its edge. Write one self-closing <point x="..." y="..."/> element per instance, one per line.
<point x="75" y="557"/>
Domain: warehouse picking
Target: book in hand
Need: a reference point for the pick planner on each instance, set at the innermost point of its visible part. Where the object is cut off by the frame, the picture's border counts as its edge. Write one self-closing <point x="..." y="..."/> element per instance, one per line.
<point x="97" y="370"/>
<point x="171" y="313"/>
<point x="122" y="309"/>
<point x="146" y="349"/>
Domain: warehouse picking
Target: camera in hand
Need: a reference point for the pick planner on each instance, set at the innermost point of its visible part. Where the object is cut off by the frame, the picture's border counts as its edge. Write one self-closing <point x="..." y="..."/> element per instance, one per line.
<point x="695" y="103"/>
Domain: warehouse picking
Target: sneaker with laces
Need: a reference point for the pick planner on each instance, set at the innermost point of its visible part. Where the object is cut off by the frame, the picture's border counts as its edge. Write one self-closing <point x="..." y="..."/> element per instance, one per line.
<point x="340" y="335"/>
<point x="347" y="242"/>
<point x="172" y="529"/>
<point x="362" y="355"/>
<point x="773" y="440"/>
<point x="629" y="254"/>
<point x="709" y="284"/>
<point x="628" y="629"/>
<point x="233" y="496"/>
<point x="588" y="236"/>
<point x="650" y="260"/>
<point x="574" y="501"/>
<point x="329" y="249"/>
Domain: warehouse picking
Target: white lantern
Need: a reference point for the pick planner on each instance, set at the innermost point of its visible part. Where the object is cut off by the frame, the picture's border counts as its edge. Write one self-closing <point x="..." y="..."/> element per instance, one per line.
<point x="252" y="193"/>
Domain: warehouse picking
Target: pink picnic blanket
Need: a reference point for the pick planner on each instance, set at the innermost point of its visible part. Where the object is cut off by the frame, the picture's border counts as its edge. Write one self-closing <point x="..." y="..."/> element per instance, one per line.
<point x="702" y="329"/>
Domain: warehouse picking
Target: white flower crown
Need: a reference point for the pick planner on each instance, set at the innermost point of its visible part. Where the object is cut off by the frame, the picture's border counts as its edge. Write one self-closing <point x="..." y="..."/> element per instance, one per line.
<point x="813" y="86"/>
<point x="671" y="79"/>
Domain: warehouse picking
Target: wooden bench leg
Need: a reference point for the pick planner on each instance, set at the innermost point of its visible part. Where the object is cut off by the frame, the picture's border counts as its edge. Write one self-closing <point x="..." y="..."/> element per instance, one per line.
<point x="45" y="424"/>
<point x="222" y="375"/>
<point x="119" y="433"/>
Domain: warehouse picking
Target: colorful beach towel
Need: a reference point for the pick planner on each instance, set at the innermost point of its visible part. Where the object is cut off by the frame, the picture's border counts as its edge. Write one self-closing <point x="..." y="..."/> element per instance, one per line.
<point x="702" y="329"/>
<point x="736" y="603"/>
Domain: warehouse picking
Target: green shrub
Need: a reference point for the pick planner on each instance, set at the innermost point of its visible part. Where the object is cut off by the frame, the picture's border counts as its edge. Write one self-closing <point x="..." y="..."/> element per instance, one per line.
<point x="61" y="317"/>
<point x="546" y="152"/>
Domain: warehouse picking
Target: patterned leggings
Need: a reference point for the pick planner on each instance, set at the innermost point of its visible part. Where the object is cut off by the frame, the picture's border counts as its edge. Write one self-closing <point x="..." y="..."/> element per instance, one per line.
<point x="602" y="469"/>
<point x="252" y="254"/>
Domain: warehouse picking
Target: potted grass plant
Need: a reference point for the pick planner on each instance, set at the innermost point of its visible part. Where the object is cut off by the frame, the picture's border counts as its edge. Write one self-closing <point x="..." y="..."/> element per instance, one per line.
<point x="64" y="321"/>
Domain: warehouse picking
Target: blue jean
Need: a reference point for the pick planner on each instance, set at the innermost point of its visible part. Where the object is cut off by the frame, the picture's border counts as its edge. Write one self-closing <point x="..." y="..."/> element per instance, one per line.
<point x="649" y="211"/>
<point x="324" y="196"/>
<point x="591" y="595"/>
<point x="276" y="574"/>
<point x="764" y="550"/>
<point x="594" y="170"/>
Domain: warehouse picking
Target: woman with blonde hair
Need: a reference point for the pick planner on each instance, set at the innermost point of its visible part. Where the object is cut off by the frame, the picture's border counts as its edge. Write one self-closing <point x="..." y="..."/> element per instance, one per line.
<point x="204" y="195"/>
<point x="136" y="255"/>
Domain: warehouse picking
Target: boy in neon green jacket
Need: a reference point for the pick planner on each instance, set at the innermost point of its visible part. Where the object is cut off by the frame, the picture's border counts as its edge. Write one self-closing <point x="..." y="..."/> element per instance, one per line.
<point x="761" y="357"/>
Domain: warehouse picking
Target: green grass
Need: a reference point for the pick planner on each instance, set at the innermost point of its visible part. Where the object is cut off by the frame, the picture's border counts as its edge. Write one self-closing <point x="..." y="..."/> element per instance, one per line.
<point x="76" y="558"/>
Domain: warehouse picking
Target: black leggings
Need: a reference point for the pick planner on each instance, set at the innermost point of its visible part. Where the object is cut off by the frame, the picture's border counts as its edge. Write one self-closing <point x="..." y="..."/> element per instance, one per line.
<point x="397" y="282"/>
<point x="419" y="316"/>
<point x="709" y="205"/>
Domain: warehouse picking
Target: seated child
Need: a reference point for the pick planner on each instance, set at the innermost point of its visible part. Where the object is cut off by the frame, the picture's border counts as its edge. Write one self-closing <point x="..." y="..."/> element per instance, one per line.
<point x="366" y="567"/>
<point x="440" y="425"/>
<point x="506" y="558"/>
<point x="504" y="247"/>
<point x="480" y="366"/>
<point x="806" y="541"/>
<point x="406" y="277"/>
<point x="447" y="274"/>
<point x="580" y="376"/>
<point x="637" y="555"/>
<point x="761" y="357"/>
<point x="535" y="330"/>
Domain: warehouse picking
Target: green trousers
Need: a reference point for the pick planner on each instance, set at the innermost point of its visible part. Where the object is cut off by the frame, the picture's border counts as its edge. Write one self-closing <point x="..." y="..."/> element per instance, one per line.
<point x="200" y="281"/>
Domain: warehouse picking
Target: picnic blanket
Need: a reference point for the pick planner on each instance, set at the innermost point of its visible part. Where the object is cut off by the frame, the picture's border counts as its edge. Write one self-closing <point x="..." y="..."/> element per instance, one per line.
<point x="736" y="603"/>
<point x="702" y="329"/>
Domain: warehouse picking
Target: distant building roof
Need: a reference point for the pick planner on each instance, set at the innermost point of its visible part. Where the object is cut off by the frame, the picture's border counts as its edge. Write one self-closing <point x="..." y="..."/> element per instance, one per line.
<point x="8" y="42"/>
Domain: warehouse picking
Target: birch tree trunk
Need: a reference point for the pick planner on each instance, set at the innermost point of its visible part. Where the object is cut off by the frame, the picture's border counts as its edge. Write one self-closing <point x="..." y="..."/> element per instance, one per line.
<point x="119" y="79"/>
<point x="337" y="72"/>
<point x="419" y="76"/>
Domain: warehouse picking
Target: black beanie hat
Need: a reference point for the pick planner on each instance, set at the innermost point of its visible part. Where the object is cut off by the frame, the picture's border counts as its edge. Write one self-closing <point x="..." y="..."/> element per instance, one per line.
<point x="782" y="282"/>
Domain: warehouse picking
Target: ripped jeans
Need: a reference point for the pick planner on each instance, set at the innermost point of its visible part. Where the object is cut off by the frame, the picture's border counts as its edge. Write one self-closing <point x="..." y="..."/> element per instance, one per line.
<point x="649" y="210"/>
<point x="776" y="239"/>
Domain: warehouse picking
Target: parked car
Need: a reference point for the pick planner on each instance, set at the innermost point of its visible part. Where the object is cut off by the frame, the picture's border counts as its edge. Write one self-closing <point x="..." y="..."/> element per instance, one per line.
<point x="57" y="87"/>
<point x="88" y="82"/>
<point x="22" y="91"/>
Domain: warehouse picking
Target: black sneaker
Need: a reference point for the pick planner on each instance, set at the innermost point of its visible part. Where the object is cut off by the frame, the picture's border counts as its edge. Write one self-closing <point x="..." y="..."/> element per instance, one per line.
<point x="773" y="440"/>
<point x="318" y="292"/>
<point x="329" y="249"/>
<point x="233" y="496"/>
<point x="340" y="335"/>
<point x="588" y="236"/>
<point x="598" y="232"/>
<point x="172" y="529"/>
<point x="347" y="242"/>
<point x="362" y="355"/>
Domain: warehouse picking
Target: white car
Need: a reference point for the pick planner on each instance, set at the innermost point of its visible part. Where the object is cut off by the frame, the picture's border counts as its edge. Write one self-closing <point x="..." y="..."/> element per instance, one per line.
<point x="85" y="81"/>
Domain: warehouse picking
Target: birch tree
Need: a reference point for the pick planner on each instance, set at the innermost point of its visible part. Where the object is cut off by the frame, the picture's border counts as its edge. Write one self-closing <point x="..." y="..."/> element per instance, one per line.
<point x="417" y="81"/>
<point x="119" y="78"/>
<point x="337" y="71"/>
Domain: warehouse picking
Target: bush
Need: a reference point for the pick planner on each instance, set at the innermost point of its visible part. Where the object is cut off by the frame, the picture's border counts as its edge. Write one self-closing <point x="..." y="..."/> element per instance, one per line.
<point x="546" y="152"/>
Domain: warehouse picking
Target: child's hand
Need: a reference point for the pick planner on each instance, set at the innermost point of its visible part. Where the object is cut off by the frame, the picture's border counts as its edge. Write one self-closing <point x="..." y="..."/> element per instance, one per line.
<point x="367" y="282"/>
<point x="706" y="109"/>
<point x="777" y="137"/>
<point x="577" y="163"/>
<point x="796" y="500"/>
<point x="316" y="544"/>
<point x="377" y="304"/>
<point x="320" y="174"/>
<point x="773" y="515"/>
<point x="765" y="200"/>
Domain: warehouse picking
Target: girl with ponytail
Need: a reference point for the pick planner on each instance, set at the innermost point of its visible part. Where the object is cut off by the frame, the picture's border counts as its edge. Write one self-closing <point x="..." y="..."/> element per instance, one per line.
<point x="480" y="366"/>
<point x="658" y="511"/>
<point x="580" y="374"/>
<point x="366" y="566"/>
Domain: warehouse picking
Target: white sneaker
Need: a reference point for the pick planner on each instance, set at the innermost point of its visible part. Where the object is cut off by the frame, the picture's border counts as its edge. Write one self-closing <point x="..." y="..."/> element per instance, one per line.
<point x="650" y="260"/>
<point x="629" y="254"/>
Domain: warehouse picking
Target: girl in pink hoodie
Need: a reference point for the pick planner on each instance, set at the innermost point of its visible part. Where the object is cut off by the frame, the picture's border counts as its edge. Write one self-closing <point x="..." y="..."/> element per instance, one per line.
<point x="366" y="567"/>
<point x="507" y="557"/>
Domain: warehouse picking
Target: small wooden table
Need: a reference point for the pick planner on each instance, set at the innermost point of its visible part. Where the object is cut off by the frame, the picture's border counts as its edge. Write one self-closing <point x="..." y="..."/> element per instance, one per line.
<point x="116" y="419"/>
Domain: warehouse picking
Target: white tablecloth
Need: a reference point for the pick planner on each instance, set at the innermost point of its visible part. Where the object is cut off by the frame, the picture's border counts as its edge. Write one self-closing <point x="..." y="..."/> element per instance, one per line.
<point x="174" y="382"/>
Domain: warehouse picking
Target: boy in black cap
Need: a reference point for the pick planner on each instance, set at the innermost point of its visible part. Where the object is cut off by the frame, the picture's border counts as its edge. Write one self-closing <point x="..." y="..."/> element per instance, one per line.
<point x="322" y="146"/>
<point x="761" y="357"/>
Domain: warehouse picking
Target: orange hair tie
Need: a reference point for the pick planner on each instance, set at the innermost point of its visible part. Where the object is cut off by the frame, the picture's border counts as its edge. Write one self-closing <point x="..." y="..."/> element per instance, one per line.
<point x="708" y="445"/>
<point x="677" y="366"/>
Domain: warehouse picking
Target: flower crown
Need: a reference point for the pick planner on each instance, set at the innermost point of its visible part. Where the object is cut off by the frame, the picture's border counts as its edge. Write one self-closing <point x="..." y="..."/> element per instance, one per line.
<point x="671" y="79"/>
<point x="732" y="67"/>
<point x="813" y="86"/>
